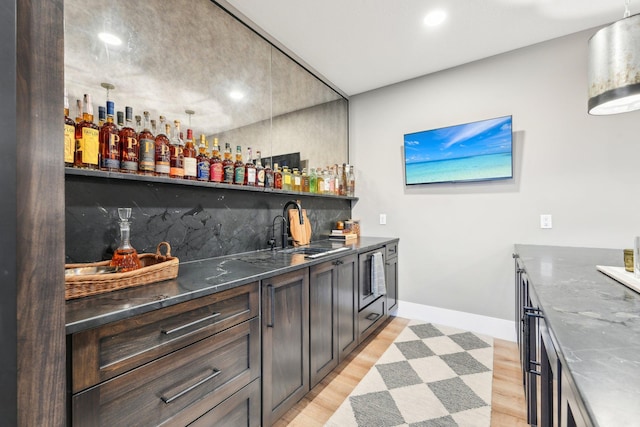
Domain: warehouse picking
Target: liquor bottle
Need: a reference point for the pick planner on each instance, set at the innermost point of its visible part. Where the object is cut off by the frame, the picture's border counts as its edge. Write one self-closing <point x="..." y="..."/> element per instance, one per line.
<point x="163" y="150"/>
<point x="79" y="109"/>
<point x="154" y="129"/>
<point x="120" y="119"/>
<point x="305" y="182"/>
<point x="343" y="179"/>
<point x="177" y="157"/>
<point x="260" y="171"/>
<point x="320" y="182"/>
<point x="102" y="116"/>
<point x="313" y="181"/>
<point x="227" y="165"/>
<point x="351" y="182"/>
<point x="268" y="175"/>
<point x="87" y="140"/>
<point x="287" y="183"/>
<point x="277" y="177"/>
<point x="125" y="257"/>
<point x="138" y="124"/>
<point x="204" y="163"/>
<point x="109" y="139"/>
<point x="332" y="181"/>
<point x="190" y="161"/>
<point x="238" y="167"/>
<point x="69" y="134"/>
<point x="147" y="144"/>
<point x="129" y="154"/>
<point x="216" y="170"/>
<point x="250" y="170"/>
<point x="296" y="180"/>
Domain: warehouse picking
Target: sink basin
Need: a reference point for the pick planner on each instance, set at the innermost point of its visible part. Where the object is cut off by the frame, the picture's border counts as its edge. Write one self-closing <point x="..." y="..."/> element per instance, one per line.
<point x="311" y="253"/>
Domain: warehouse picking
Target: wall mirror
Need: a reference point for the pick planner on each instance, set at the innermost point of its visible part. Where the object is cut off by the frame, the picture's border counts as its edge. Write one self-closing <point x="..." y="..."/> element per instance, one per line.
<point x="171" y="57"/>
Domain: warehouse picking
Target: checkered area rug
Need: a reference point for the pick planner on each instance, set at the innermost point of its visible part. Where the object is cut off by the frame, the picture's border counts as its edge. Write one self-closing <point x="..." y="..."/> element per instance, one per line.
<point x="430" y="376"/>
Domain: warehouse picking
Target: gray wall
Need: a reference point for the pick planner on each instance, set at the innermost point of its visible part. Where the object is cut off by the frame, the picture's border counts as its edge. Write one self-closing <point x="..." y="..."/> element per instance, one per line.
<point x="456" y="240"/>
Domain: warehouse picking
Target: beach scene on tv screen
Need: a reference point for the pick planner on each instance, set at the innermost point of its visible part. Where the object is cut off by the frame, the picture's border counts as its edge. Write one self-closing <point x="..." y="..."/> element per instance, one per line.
<point x="468" y="152"/>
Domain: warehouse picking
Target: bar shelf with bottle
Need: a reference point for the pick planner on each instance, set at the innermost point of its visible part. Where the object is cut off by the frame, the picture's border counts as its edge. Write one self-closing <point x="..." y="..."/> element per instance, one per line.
<point x="207" y="184"/>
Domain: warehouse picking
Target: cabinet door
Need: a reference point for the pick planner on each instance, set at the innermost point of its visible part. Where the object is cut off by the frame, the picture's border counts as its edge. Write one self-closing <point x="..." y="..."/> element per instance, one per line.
<point x="323" y="328"/>
<point x="347" y="272"/>
<point x="285" y="343"/>
<point x="391" y="276"/>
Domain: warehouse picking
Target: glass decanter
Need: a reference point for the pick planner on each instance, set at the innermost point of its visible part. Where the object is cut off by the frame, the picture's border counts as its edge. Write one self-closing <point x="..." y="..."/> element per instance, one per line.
<point x="125" y="257"/>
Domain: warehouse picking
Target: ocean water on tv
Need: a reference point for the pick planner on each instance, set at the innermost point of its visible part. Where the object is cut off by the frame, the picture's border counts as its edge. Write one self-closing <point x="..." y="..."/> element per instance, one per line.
<point x="488" y="166"/>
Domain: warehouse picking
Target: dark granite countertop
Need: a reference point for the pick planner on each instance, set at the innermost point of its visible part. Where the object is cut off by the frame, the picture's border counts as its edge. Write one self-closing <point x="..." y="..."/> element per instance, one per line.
<point x="197" y="279"/>
<point x="596" y="322"/>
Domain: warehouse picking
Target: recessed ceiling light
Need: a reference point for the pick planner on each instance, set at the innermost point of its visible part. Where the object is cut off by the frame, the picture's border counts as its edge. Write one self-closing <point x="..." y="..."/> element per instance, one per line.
<point x="109" y="38"/>
<point x="435" y="17"/>
<point x="237" y="95"/>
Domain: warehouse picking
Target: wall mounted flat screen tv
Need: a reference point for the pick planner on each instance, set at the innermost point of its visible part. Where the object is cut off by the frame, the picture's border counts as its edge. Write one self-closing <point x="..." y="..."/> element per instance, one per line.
<point x="476" y="151"/>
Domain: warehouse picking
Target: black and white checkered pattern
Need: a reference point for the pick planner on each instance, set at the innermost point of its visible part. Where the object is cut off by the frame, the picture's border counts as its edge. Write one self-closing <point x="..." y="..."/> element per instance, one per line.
<point x="430" y="376"/>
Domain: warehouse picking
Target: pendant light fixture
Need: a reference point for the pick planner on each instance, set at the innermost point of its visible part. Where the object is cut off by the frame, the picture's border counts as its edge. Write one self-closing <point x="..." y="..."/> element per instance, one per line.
<point x="614" y="67"/>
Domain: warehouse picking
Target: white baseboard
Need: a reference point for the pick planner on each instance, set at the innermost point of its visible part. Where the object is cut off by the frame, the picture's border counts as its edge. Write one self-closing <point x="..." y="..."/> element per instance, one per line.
<point x="497" y="328"/>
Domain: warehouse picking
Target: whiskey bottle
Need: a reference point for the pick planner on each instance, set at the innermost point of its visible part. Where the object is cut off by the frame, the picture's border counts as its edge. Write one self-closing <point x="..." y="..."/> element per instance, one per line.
<point x="260" y="171"/>
<point x="287" y="180"/>
<point x="203" y="159"/>
<point x="216" y="171"/>
<point x="109" y="143"/>
<point x="305" y="185"/>
<point x="163" y="151"/>
<point x="120" y="119"/>
<point x="190" y="161"/>
<point x="125" y="257"/>
<point x="138" y="127"/>
<point x="87" y="140"/>
<point x="277" y="177"/>
<point x="238" y="167"/>
<point x="268" y="174"/>
<point x="320" y="181"/>
<point x="176" y="162"/>
<point x="296" y="180"/>
<point x="227" y="165"/>
<point x="102" y="116"/>
<point x="79" y="109"/>
<point x="250" y="170"/>
<point x="129" y="154"/>
<point x="69" y="134"/>
<point x="147" y="144"/>
<point x="351" y="182"/>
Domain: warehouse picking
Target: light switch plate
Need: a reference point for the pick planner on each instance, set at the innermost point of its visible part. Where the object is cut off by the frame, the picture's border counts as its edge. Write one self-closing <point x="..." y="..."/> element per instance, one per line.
<point x="383" y="219"/>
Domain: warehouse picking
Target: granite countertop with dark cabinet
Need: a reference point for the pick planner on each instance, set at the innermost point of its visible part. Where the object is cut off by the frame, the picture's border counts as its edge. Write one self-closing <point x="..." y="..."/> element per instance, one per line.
<point x="596" y="323"/>
<point x="197" y="279"/>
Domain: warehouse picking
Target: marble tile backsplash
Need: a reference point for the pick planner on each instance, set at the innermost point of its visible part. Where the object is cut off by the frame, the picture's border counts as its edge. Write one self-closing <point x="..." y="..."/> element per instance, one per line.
<point x="198" y="222"/>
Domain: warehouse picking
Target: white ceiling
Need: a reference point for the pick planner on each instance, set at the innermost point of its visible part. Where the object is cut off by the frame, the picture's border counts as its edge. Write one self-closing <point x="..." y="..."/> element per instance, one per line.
<point x="360" y="45"/>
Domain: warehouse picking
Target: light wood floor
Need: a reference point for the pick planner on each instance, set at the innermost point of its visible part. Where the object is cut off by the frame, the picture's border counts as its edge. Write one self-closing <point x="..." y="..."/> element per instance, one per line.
<point x="507" y="402"/>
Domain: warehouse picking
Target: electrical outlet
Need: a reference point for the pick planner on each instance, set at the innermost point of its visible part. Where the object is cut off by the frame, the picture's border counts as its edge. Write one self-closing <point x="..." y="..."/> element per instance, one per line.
<point x="383" y="219"/>
<point x="546" y="221"/>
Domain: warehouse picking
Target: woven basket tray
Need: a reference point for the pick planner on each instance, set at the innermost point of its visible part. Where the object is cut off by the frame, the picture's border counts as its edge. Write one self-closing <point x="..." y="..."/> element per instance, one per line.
<point x="155" y="268"/>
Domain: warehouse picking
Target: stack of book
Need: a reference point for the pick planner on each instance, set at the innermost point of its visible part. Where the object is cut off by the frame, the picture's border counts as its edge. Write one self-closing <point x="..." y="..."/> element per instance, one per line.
<point x="343" y="235"/>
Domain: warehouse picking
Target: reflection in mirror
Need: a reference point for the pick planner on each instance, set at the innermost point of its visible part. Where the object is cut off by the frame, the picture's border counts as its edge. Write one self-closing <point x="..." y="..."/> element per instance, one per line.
<point x="170" y="57"/>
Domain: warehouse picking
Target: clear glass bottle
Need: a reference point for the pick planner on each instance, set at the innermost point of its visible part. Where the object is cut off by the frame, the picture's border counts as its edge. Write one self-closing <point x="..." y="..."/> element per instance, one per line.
<point x="260" y="170"/>
<point x="190" y="158"/>
<point x="287" y="181"/>
<point x="296" y="180"/>
<point x="125" y="257"/>
<point x="176" y="162"/>
<point x="163" y="149"/>
<point x="250" y="176"/>
<point x="351" y="182"/>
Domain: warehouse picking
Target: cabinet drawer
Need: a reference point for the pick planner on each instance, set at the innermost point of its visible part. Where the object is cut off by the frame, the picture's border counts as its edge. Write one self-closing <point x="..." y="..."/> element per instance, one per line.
<point x="392" y="250"/>
<point x="240" y="410"/>
<point x="370" y="316"/>
<point x="178" y="388"/>
<point x="102" y="353"/>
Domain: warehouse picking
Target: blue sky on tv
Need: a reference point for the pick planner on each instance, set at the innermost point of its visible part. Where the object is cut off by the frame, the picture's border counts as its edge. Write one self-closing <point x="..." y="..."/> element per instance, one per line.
<point x="491" y="136"/>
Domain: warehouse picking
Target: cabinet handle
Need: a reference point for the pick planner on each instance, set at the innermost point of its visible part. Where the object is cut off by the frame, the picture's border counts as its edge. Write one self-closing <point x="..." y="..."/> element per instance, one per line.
<point x="195" y="322"/>
<point x="373" y="316"/>
<point x="338" y="262"/>
<point x="168" y="400"/>
<point x="272" y="305"/>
